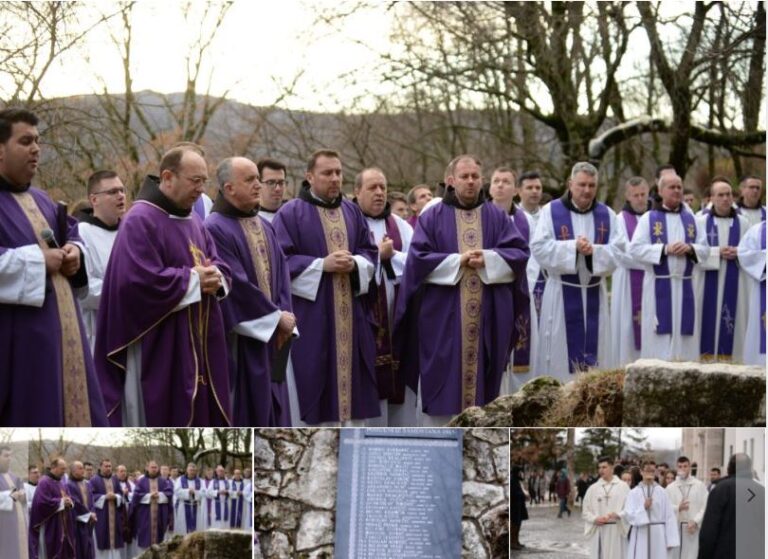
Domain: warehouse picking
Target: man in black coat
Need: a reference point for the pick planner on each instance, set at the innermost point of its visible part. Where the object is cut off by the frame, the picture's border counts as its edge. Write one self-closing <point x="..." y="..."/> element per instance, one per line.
<point x="517" y="509"/>
<point x="734" y="521"/>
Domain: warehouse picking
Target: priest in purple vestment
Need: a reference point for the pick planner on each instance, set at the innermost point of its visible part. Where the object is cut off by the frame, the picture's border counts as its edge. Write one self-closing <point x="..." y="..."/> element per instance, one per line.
<point x="463" y="284"/>
<point x="331" y="262"/>
<point x="13" y="506"/>
<point x="257" y="313"/>
<point x="42" y="339"/>
<point x="392" y="236"/>
<point x="51" y="519"/>
<point x="84" y="511"/>
<point x="151" y="507"/>
<point x="110" y="506"/>
<point x="161" y="351"/>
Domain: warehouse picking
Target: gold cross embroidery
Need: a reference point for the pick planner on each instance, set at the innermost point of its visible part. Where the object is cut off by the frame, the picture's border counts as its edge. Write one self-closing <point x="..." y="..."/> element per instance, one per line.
<point x="198" y="256"/>
<point x="564" y="233"/>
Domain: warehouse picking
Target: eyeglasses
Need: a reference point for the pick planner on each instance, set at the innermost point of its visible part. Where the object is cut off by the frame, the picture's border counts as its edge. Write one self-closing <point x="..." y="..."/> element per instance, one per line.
<point x="111" y="191"/>
<point x="273" y="183"/>
<point x="197" y="181"/>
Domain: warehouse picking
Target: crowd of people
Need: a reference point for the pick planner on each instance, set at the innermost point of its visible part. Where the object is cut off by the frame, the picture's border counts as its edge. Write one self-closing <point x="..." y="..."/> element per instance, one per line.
<point x="252" y="310"/>
<point x="80" y="511"/>
<point x="648" y="511"/>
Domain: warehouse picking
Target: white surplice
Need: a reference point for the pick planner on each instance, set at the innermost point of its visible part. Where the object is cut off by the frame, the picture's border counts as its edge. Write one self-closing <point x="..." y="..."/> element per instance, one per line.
<point x="558" y="258"/>
<point x="715" y="262"/>
<point x="752" y="262"/>
<point x="98" y="242"/>
<point x="606" y="541"/>
<point x="674" y="346"/>
<point x="653" y="532"/>
<point x="695" y="492"/>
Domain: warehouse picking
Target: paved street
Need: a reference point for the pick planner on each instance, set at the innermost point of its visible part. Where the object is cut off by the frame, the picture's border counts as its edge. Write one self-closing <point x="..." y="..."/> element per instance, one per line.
<point x="547" y="537"/>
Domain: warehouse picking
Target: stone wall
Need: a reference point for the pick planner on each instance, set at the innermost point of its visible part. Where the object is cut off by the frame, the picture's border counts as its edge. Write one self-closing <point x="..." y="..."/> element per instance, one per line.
<point x="295" y="484"/>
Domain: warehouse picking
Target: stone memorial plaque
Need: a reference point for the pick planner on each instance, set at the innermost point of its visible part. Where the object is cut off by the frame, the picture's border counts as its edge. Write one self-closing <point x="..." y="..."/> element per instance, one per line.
<point x="399" y="494"/>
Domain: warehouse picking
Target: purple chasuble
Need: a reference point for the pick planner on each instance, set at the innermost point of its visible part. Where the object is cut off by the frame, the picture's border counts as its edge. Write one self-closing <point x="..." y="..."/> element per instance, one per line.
<point x="428" y="324"/>
<point x="730" y="295"/>
<point x="190" y="506"/>
<point x="581" y="325"/>
<point x="13" y="524"/>
<point x="31" y="352"/>
<point x="110" y="519"/>
<point x="199" y="208"/>
<point x="83" y="499"/>
<point x="58" y="525"/>
<point x="658" y="229"/>
<point x="389" y="382"/>
<point x="184" y="373"/>
<point x="150" y="520"/>
<point x="314" y="354"/>
<point x="522" y="357"/>
<point x="258" y="400"/>
<point x="635" y="283"/>
<point x="236" y="505"/>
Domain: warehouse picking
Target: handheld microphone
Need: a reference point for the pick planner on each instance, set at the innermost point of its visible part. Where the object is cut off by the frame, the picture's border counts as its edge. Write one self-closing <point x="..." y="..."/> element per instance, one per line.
<point x="49" y="239"/>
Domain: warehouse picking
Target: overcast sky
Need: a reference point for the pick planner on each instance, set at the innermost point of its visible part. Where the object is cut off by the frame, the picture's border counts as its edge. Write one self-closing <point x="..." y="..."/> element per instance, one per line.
<point x="260" y="47"/>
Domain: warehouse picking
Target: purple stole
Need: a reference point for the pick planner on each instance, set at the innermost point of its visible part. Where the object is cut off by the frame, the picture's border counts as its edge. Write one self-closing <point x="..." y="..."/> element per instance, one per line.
<point x="635" y="283"/>
<point x="762" y="294"/>
<point x="236" y="514"/>
<point x="221" y="514"/>
<point x="658" y="230"/>
<point x="522" y="357"/>
<point x="582" y="342"/>
<point x="390" y="386"/>
<point x="730" y="297"/>
<point x="190" y="507"/>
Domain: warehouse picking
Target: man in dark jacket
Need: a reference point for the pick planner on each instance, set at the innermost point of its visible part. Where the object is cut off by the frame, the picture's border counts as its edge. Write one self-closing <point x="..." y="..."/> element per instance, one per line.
<point x="563" y="489"/>
<point x="734" y="521"/>
<point x="517" y="510"/>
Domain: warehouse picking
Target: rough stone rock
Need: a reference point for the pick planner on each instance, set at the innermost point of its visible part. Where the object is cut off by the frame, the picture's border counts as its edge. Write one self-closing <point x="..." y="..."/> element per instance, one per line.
<point x="493" y="436"/>
<point x="472" y="541"/>
<point x="298" y="436"/>
<point x="319" y="553"/>
<point x="468" y="467"/>
<point x="524" y="408"/>
<point x="277" y="546"/>
<point x="673" y="394"/>
<point x="477" y="497"/>
<point x="222" y="544"/>
<point x="321" y="459"/>
<point x="283" y="514"/>
<point x="501" y="461"/>
<point x="266" y="482"/>
<point x="495" y="526"/>
<point x="288" y="454"/>
<point x="316" y="529"/>
<point x="480" y="453"/>
<point x="263" y="456"/>
<point x="593" y="399"/>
